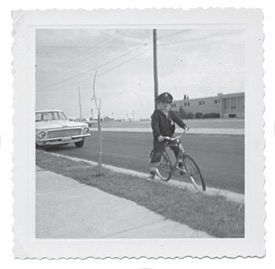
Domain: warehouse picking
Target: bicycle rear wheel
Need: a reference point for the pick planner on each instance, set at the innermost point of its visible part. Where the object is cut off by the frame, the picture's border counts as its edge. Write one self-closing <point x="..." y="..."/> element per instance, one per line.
<point x="164" y="170"/>
<point x="194" y="173"/>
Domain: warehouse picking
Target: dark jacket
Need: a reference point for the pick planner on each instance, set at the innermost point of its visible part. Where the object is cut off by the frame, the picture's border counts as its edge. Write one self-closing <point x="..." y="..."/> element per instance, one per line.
<point x="165" y="125"/>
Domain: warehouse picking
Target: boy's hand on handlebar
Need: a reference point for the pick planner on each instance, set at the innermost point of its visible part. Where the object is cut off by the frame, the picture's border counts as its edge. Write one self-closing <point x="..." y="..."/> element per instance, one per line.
<point x="186" y="128"/>
<point x="160" y="138"/>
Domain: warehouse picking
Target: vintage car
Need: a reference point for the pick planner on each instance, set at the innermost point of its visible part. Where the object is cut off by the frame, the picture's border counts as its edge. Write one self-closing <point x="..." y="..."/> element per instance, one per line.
<point x="53" y="128"/>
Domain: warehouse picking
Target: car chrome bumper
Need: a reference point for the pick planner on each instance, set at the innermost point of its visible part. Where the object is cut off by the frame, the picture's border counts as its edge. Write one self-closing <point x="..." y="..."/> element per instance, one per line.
<point x="61" y="140"/>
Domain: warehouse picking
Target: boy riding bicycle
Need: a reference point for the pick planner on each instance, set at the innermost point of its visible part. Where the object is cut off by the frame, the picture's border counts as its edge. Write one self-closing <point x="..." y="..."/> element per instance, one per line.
<point x="163" y="124"/>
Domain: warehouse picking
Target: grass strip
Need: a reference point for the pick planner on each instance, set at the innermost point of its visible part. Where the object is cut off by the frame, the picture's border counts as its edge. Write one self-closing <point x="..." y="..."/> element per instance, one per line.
<point x="215" y="215"/>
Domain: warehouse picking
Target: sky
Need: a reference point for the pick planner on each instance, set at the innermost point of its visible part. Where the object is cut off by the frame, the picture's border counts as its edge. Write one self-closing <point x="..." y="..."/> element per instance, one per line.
<point x="193" y="62"/>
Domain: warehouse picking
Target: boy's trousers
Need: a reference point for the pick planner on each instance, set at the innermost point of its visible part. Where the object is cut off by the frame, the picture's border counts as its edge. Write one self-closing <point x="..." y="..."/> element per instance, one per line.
<point x="158" y="148"/>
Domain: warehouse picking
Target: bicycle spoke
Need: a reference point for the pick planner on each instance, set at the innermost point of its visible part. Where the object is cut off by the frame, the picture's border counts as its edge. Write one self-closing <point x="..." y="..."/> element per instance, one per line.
<point x="194" y="173"/>
<point x="164" y="170"/>
<point x="194" y="182"/>
<point x="160" y="175"/>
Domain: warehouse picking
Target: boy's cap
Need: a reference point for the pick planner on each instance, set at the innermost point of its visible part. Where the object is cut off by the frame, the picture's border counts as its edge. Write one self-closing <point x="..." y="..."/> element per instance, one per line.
<point x="164" y="97"/>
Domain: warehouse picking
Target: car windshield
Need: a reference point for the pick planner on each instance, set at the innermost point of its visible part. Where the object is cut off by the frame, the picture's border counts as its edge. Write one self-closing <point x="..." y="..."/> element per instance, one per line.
<point x="52" y="115"/>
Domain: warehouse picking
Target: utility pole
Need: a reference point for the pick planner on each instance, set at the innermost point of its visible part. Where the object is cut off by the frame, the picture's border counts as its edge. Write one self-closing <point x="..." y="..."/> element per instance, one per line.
<point x="79" y="97"/>
<point x="133" y="115"/>
<point x="156" y="90"/>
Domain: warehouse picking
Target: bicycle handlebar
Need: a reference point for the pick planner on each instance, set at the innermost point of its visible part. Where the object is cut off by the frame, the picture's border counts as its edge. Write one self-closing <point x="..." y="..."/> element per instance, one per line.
<point x="176" y="137"/>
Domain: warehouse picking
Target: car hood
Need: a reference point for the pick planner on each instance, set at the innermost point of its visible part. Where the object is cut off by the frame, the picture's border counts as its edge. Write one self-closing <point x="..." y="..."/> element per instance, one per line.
<point x="57" y="124"/>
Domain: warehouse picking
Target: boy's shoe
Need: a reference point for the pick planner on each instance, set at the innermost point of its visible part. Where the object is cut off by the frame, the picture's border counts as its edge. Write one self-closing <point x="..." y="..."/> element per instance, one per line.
<point x="152" y="175"/>
<point x="182" y="169"/>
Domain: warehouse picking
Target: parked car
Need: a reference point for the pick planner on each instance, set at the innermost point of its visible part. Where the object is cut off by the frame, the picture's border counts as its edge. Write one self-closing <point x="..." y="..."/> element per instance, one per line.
<point x="92" y="123"/>
<point x="54" y="128"/>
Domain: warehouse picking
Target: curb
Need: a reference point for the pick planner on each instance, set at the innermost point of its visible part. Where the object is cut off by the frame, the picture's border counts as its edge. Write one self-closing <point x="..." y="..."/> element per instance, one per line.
<point x="232" y="196"/>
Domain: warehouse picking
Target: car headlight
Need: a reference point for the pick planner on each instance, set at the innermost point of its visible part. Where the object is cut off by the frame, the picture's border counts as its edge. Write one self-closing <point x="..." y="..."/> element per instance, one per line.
<point x="85" y="130"/>
<point x="42" y="134"/>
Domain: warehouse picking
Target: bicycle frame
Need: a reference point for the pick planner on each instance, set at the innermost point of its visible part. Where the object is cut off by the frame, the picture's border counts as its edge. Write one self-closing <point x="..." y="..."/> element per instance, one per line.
<point x="174" y="166"/>
<point x="186" y="158"/>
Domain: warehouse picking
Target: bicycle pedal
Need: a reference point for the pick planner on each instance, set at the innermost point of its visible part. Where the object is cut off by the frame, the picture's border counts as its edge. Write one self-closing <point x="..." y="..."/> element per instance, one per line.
<point x="151" y="176"/>
<point x="181" y="170"/>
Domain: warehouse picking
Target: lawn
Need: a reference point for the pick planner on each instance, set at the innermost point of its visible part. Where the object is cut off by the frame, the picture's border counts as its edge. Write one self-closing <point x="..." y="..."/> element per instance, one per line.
<point x="215" y="215"/>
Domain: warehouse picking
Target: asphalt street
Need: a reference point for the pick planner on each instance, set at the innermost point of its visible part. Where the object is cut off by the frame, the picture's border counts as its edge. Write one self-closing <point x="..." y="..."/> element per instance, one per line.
<point x="220" y="157"/>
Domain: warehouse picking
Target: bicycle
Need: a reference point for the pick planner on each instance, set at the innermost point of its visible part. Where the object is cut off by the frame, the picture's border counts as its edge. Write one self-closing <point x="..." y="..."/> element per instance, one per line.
<point x="190" y="169"/>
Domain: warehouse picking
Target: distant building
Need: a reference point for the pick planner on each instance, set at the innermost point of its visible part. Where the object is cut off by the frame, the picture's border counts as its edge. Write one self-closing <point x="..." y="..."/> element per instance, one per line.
<point x="226" y="105"/>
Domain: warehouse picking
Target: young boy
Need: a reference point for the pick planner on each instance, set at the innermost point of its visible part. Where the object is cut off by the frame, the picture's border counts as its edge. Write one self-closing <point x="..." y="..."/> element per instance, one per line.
<point x="163" y="124"/>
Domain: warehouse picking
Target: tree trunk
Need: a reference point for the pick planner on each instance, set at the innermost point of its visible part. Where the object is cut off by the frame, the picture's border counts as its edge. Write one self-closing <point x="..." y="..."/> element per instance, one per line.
<point x="99" y="145"/>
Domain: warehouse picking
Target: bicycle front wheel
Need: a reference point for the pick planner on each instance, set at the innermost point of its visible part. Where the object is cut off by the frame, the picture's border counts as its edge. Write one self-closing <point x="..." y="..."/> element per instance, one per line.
<point x="164" y="170"/>
<point x="193" y="172"/>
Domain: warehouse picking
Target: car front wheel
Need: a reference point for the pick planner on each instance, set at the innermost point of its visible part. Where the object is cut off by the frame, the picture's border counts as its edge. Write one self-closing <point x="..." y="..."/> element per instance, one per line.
<point x="79" y="144"/>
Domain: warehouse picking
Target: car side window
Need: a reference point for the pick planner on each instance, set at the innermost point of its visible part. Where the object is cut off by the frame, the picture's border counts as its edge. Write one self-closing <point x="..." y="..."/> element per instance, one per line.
<point x="55" y="116"/>
<point x="62" y="116"/>
<point x="48" y="116"/>
<point x="38" y="117"/>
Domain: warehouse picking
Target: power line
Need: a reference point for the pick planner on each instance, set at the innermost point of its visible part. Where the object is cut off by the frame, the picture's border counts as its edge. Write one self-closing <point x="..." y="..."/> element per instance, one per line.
<point x="95" y="68"/>
<point x="105" y="72"/>
<point x="173" y="34"/>
<point x="125" y="62"/>
<point x="100" y="49"/>
<point x="100" y="66"/>
<point x="189" y="40"/>
<point x="86" y="55"/>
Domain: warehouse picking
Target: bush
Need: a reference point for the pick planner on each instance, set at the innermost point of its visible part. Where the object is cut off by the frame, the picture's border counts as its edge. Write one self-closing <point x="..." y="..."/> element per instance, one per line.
<point x="182" y="113"/>
<point x="198" y="115"/>
<point x="211" y="116"/>
<point x="189" y="116"/>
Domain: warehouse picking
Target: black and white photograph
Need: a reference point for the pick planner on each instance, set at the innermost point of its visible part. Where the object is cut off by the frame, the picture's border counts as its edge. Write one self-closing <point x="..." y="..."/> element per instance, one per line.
<point x="143" y="133"/>
<point x="139" y="133"/>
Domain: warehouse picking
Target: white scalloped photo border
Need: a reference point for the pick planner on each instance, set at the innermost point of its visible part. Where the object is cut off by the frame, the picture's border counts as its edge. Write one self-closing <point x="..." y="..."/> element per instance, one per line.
<point x="25" y="24"/>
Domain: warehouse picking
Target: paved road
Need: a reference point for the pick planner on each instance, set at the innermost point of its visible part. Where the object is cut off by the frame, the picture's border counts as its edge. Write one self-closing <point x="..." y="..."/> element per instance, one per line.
<point x="221" y="157"/>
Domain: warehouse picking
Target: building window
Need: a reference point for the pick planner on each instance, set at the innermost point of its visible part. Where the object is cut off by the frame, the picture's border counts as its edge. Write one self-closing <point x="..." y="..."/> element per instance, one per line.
<point x="240" y="104"/>
<point x="215" y="101"/>
<point x="200" y="103"/>
<point x="233" y="103"/>
<point x="226" y="105"/>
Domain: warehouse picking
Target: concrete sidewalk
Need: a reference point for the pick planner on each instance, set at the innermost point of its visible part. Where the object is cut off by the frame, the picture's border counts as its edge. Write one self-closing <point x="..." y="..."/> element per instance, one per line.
<point x="218" y="131"/>
<point x="67" y="209"/>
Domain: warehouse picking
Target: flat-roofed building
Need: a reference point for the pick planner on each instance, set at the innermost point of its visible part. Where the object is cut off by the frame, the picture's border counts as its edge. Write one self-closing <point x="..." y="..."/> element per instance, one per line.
<point x="223" y="105"/>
